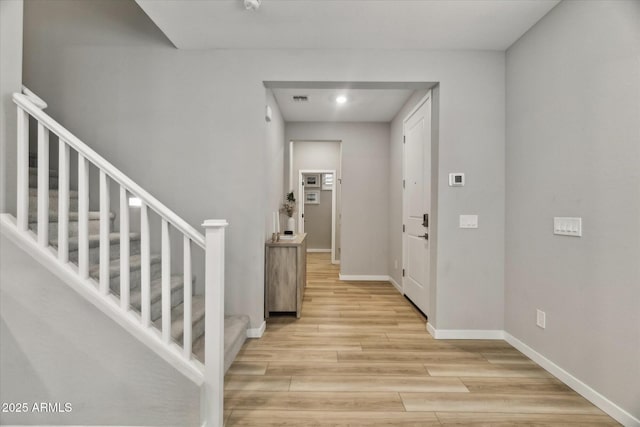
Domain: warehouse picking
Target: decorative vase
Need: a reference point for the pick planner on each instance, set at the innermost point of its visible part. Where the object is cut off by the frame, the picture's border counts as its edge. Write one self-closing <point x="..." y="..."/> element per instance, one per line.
<point x="291" y="224"/>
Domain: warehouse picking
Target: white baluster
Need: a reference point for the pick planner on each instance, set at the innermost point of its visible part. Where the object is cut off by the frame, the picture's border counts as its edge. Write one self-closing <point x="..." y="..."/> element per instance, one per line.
<point x="63" y="201"/>
<point x="124" y="249"/>
<point x="214" y="322"/>
<point x="43" y="185"/>
<point x="105" y="223"/>
<point x="166" y="282"/>
<point x="22" y="208"/>
<point x="145" y="268"/>
<point x="187" y="337"/>
<point x="83" y="216"/>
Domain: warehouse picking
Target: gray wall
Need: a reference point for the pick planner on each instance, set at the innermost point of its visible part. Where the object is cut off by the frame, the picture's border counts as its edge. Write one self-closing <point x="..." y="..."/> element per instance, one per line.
<point x="55" y="343"/>
<point x="197" y="117"/>
<point x="11" y="15"/>
<point x="467" y="287"/>
<point x="312" y="154"/>
<point x="275" y="166"/>
<point x="365" y="190"/>
<point x="573" y="149"/>
<point x="317" y="220"/>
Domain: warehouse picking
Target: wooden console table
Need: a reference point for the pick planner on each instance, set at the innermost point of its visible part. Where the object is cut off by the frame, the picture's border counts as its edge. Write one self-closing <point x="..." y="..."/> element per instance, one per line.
<point x="285" y="275"/>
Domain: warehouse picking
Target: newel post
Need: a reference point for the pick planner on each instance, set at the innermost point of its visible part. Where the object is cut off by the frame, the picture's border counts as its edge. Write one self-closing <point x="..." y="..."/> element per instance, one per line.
<point x="214" y="323"/>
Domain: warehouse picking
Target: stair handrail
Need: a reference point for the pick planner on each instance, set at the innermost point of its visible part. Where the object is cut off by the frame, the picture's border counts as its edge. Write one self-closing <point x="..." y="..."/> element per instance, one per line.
<point x="37" y="101"/>
<point x="26" y="102"/>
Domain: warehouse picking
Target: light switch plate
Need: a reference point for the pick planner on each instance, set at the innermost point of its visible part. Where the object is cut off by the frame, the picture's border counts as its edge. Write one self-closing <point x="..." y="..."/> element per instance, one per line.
<point x="541" y="319"/>
<point x="567" y="226"/>
<point x="468" y="221"/>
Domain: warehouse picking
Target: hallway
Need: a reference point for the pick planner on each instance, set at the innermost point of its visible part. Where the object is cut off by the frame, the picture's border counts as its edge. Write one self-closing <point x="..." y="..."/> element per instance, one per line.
<point x="360" y="355"/>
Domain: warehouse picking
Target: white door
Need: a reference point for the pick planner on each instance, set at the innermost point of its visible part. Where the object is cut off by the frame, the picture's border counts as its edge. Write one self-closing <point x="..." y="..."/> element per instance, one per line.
<point x="417" y="204"/>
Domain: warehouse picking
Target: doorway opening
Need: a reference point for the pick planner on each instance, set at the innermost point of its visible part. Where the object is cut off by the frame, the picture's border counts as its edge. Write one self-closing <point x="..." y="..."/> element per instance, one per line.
<point x="315" y="174"/>
<point x="317" y="214"/>
<point x="366" y="119"/>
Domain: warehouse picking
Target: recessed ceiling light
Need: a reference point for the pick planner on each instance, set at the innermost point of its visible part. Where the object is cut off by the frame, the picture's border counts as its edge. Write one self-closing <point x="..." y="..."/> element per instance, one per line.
<point x="341" y="99"/>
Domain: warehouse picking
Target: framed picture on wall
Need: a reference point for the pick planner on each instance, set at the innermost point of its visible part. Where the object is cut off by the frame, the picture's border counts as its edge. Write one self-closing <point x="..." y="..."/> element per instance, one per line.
<point x="312" y="180"/>
<point x="312" y="197"/>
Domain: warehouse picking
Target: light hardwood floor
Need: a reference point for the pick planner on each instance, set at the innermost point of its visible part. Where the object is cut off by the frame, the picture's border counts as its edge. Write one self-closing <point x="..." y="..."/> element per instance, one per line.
<point x="360" y="356"/>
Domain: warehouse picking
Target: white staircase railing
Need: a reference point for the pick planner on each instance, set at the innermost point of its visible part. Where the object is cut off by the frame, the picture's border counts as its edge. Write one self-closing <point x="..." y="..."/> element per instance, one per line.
<point x="209" y="376"/>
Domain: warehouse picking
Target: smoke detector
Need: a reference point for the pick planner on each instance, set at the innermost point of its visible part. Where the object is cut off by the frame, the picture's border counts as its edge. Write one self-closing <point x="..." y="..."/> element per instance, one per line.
<point x="252" y="4"/>
<point x="300" y="98"/>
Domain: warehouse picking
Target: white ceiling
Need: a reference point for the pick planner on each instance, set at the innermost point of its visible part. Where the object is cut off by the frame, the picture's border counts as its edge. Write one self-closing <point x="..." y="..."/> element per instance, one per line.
<point x="346" y="24"/>
<point x="363" y="105"/>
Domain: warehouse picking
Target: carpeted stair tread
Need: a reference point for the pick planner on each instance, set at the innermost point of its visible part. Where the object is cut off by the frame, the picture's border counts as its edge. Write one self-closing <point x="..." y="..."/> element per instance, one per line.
<point x="235" y="334"/>
<point x="52" y="172"/>
<point x="73" y="216"/>
<point x="53" y="193"/>
<point x="135" y="263"/>
<point x="197" y="349"/>
<point x="177" y="317"/>
<point x="94" y="240"/>
<point x="33" y="178"/>
<point x="156" y="291"/>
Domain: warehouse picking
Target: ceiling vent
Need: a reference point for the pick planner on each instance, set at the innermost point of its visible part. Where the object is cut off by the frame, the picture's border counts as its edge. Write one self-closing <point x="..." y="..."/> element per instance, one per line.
<point x="300" y="98"/>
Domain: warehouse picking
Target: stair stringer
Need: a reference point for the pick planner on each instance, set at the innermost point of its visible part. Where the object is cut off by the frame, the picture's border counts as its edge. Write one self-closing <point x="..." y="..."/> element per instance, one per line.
<point x="108" y="304"/>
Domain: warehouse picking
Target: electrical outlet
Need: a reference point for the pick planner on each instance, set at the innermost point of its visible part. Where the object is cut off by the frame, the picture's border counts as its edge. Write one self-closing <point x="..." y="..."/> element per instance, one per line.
<point x="395" y="264"/>
<point x="541" y="319"/>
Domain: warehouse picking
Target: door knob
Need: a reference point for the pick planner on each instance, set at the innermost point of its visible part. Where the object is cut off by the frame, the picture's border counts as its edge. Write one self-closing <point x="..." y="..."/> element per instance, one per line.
<point x="425" y="236"/>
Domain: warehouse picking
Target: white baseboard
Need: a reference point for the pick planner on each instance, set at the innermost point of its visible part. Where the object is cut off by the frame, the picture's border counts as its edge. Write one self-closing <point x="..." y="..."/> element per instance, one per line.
<point x="257" y="332"/>
<point x="396" y="285"/>
<point x="616" y="412"/>
<point x="364" y="278"/>
<point x="311" y="250"/>
<point x="465" y="334"/>
<point x="431" y="330"/>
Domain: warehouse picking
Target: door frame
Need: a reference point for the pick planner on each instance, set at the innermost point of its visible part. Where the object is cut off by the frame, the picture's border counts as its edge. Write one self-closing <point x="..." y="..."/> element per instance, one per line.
<point x="334" y="193"/>
<point x="419" y="104"/>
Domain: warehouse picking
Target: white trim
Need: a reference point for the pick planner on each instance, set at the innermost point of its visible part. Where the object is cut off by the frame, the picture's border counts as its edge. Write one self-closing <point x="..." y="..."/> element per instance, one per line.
<point x="606" y="405"/>
<point x="431" y="330"/>
<point x="109" y="305"/>
<point x="334" y="213"/>
<point x="37" y="101"/>
<point x="364" y="278"/>
<point x="465" y="334"/>
<point x="324" y="251"/>
<point x="396" y="285"/>
<point x="300" y="212"/>
<point x="291" y="165"/>
<point x="417" y="106"/>
<point x="257" y="332"/>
